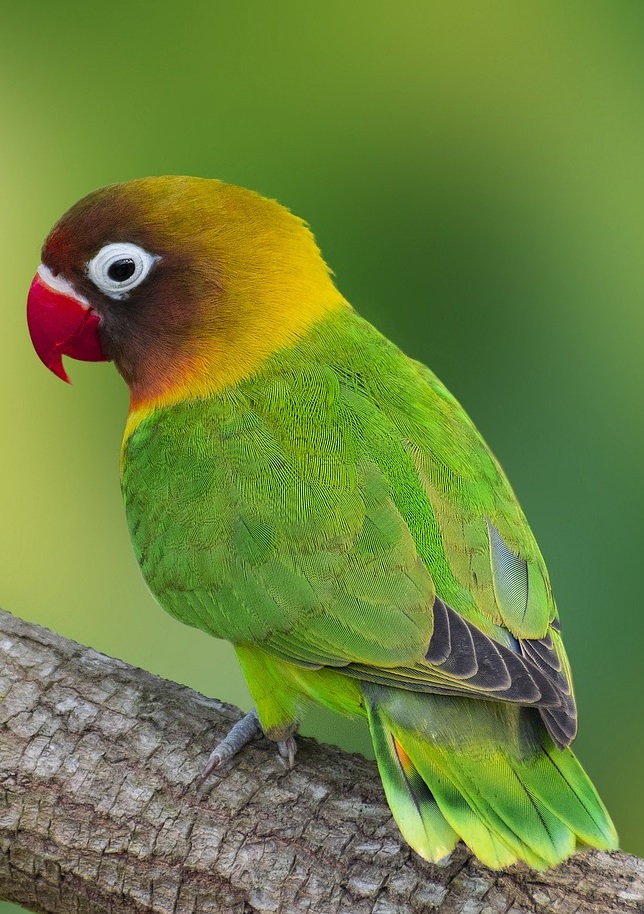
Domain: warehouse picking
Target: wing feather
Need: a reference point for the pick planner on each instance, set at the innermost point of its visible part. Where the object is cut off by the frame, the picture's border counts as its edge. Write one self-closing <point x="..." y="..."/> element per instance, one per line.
<point x="340" y="508"/>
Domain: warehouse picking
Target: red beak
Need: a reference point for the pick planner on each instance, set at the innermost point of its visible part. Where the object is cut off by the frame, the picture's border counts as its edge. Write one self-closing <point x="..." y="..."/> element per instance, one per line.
<point x="61" y="322"/>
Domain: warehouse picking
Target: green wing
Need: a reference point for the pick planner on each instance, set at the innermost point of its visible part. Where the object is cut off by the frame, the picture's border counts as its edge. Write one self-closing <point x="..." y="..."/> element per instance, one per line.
<point x="340" y="509"/>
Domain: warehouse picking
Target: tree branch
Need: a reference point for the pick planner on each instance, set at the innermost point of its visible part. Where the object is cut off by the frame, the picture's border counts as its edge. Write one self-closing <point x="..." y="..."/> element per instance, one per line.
<point x="100" y="811"/>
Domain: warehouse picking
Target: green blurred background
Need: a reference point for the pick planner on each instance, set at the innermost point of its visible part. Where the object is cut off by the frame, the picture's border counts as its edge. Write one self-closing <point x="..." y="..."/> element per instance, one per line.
<point x="474" y="175"/>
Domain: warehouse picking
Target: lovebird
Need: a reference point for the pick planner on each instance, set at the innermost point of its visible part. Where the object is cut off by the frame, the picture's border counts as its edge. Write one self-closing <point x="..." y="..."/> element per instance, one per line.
<point x="294" y="483"/>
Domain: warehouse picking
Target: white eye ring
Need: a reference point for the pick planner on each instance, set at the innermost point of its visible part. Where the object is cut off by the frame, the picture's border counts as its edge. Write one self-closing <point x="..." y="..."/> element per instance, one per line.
<point x="120" y="267"/>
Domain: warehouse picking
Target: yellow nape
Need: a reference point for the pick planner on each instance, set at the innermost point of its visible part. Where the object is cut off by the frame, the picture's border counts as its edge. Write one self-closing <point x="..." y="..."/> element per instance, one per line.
<point x="259" y="284"/>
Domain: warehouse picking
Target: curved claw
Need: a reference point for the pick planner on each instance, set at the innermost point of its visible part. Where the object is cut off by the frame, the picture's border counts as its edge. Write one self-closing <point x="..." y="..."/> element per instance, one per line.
<point x="245" y="730"/>
<point x="287" y="749"/>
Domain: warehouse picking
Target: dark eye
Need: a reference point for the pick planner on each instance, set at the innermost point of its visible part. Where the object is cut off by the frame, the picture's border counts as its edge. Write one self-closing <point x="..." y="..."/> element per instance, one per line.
<point x="121" y="270"/>
<point x="120" y="267"/>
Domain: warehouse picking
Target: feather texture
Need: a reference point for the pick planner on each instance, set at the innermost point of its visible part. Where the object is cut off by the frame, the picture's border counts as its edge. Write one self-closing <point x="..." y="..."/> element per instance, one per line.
<point x="297" y="485"/>
<point x="321" y="506"/>
<point x="338" y="517"/>
<point x="491" y="772"/>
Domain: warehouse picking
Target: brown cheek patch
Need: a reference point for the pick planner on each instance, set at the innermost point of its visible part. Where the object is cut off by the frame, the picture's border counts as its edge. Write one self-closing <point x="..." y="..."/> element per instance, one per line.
<point x="179" y="296"/>
<point x="153" y="333"/>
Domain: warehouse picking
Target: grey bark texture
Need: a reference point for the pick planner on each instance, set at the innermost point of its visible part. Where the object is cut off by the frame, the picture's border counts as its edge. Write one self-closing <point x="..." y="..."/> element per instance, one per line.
<point x="101" y="811"/>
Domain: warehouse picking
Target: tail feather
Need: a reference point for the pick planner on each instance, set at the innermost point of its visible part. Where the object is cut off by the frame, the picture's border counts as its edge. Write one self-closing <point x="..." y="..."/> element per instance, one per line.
<point x="571" y="795"/>
<point x="484" y="834"/>
<point x="486" y="772"/>
<point x="496" y="793"/>
<point x="420" y="820"/>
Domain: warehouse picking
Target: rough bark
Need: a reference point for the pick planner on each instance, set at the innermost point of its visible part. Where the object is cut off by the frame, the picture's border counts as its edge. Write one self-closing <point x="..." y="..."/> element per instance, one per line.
<point x="100" y="811"/>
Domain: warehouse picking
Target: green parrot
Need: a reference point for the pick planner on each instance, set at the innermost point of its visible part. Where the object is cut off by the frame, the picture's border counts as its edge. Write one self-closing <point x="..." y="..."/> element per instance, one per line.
<point x="296" y="484"/>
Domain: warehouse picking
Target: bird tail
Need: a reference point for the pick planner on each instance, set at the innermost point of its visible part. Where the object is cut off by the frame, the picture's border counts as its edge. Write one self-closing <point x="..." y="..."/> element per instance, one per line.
<point x="485" y="772"/>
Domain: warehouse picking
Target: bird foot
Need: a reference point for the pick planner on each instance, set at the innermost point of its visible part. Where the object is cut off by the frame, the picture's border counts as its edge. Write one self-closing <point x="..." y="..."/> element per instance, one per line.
<point x="245" y="730"/>
<point x="239" y="735"/>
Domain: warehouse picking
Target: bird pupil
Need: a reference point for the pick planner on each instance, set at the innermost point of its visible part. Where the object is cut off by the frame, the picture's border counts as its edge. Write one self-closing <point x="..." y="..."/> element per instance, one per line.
<point x="122" y="269"/>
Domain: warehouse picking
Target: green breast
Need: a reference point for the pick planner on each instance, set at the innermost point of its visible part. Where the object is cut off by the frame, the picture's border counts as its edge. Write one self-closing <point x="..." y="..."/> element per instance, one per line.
<point x="293" y="510"/>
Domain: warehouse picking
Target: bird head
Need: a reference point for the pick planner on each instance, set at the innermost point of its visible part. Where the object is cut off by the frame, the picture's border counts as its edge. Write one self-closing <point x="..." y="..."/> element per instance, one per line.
<point x="187" y="284"/>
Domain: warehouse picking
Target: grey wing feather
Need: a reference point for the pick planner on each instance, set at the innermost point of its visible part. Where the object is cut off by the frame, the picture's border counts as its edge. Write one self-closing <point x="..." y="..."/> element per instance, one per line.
<point x="532" y="676"/>
<point x="463" y="660"/>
